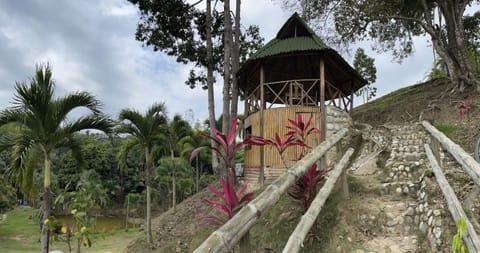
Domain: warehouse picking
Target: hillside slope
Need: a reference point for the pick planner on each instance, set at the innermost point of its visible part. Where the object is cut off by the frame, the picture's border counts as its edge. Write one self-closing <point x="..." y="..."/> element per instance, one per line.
<point x="430" y="101"/>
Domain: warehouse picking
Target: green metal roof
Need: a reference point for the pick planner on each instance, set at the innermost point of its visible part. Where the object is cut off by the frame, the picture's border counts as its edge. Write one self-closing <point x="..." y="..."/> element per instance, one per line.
<point x="288" y="45"/>
<point x="295" y="35"/>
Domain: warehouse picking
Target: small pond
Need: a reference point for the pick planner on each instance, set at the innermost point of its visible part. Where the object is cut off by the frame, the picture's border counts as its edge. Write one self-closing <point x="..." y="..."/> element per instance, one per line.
<point x="103" y="224"/>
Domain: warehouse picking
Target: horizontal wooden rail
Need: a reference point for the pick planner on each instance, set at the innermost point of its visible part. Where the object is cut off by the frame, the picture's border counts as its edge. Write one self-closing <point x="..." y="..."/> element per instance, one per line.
<point x="228" y="235"/>
<point x="470" y="238"/>
<point x="463" y="158"/>
<point x="296" y="239"/>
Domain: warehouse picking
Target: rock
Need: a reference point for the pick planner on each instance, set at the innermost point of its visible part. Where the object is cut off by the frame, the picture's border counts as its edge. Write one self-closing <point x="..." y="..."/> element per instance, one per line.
<point x="437" y="212"/>
<point x="408" y="220"/>
<point x="416" y="219"/>
<point x="429" y="213"/>
<point x="392" y="223"/>
<point x="437" y="232"/>
<point x="410" y="211"/>
<point x="438" y="222"/>
<point x="406" y="190"/>
<point x="398" y="190"/>
<point x="423" y="227"/>
<point x="430" y="221"/>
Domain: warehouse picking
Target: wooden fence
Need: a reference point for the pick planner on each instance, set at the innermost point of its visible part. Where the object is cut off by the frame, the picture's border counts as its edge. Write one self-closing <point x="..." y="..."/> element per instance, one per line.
<point x="470" y="238"/>
<point x="227" y="236"/>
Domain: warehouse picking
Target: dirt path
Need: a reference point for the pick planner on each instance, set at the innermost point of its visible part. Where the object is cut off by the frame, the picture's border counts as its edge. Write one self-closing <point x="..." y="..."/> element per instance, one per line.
<point x="390" y="211"/>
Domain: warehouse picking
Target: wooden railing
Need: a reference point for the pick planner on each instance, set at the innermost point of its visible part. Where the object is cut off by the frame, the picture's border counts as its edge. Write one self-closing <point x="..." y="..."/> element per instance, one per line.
<point x="296" y="239"/>
<point x="470" y="238"/>
<point x="228" y="235"/>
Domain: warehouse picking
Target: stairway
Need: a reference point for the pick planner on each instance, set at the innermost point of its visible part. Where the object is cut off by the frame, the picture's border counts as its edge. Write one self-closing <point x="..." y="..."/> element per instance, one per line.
<point x="406" y="219"/>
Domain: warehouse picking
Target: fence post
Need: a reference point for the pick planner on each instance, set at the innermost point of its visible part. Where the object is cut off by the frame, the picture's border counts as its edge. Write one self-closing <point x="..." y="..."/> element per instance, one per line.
<point x="344" y="181"/>
<point x="245" y="243"/>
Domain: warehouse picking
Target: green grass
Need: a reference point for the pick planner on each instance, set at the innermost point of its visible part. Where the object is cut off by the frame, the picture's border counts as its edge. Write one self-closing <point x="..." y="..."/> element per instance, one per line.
<point x="19" y="233"/>
<point x="448" y="130"/>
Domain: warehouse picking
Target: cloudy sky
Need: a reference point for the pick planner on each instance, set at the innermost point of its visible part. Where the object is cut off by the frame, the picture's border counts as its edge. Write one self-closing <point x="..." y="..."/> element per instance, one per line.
<point x="91" y="46"/>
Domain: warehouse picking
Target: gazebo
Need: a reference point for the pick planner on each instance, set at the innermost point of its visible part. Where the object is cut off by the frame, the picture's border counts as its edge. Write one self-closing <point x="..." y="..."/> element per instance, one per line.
<point x="295" y="73"/>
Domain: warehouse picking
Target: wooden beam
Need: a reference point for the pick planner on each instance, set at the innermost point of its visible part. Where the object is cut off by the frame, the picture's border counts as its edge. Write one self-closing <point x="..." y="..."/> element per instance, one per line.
<point x="470" y="238"/>
<point x="322" y="101"/>
<point x="295" y="241"/>
<point x="463" y="158"/>
<point x="228" y="235"/>
<point x="262" y="134"/>
<point x="351" y="99"/>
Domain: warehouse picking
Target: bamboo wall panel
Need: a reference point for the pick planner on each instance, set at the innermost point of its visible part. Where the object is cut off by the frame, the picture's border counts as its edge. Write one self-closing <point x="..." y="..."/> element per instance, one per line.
<point x="276" y="120"/>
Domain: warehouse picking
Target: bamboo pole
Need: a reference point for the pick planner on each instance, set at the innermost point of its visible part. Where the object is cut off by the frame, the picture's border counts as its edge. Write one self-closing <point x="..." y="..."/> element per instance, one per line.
<point x="463" y="158"/>
<point x="228" y="235"/>
<point x="470" y="238"/>
<point x="296" y="239"/>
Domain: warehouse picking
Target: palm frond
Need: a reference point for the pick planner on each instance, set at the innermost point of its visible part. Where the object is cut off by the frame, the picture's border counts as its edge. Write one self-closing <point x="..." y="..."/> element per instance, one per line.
<point x="95" y="121"/>
<point x="65" y="105"/>
<point x="123" y="152"/>
<point x="11" y="116"/>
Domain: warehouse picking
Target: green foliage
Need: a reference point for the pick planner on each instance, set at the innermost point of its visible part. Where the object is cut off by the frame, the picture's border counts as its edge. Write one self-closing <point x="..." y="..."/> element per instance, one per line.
<point x="457" y="242"/>
<point x="8" y="198"/>
<point x="365" y="66"/>
<point x="448" y="130"/>
<point x="89" y="193"/>
<point x="178" y="29"/>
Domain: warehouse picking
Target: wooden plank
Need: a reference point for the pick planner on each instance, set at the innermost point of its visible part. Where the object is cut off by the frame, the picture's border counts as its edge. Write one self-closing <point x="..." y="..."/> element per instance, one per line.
<point x="296" y="239"/>
<point x="463" y="158"/>
<point x="470" y="238"/>
<point x="228" y="235"/>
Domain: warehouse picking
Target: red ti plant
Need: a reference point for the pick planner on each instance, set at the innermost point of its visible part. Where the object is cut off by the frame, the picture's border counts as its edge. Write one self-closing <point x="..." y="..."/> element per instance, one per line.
<point x="226" y="147"/>
<point x="230" y="201"/>
<point x="300" y="131"/>
<point x="305" y="188"/>
<point x="464" y="108"/>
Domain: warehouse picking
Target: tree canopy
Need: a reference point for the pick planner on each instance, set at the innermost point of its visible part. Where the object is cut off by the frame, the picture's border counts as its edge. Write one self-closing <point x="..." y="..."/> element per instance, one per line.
<point x="392" y="25"/>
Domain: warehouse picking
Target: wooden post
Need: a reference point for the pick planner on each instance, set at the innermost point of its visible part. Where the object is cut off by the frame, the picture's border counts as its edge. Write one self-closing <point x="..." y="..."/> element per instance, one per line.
<point x="345" y="190"/>
<point x="244" y="243"/>
<point x="262" y="134"/>
<point x="470" y="237"/>
<point x="322" y="101"/>
<point x="351" y="100"/>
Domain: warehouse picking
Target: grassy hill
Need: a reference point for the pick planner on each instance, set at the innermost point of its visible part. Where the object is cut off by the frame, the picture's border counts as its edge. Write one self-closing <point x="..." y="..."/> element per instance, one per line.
<point x="430" y="101"/>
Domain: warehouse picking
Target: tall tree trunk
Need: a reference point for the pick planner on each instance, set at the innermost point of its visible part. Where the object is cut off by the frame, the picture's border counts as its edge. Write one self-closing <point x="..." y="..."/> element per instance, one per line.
<point x="452" y="47"/>
<point x="235" y="61"/>
<point x="226" y="76"/>
<point x="149" y="200"/>
<point x="211" y="97"/>
<point x="174" y="182"/>
<point x="47" y="203"/>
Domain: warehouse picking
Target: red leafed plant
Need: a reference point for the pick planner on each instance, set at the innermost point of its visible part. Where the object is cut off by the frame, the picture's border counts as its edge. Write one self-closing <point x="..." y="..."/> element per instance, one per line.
<point x="305" y="188"/>
<point x="226" y="147"/>
<point x="464" y="108"/>
<point x="299" y="129"/>
<point x="230" y="201"/>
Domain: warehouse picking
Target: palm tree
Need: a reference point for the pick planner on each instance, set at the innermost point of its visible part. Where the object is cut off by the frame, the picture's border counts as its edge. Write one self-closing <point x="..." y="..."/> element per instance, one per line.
<point x="145" y="130"/>
<point x="187" y="145"/>
<point x="171" y="135"/>
<point x="44" y="125"/>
